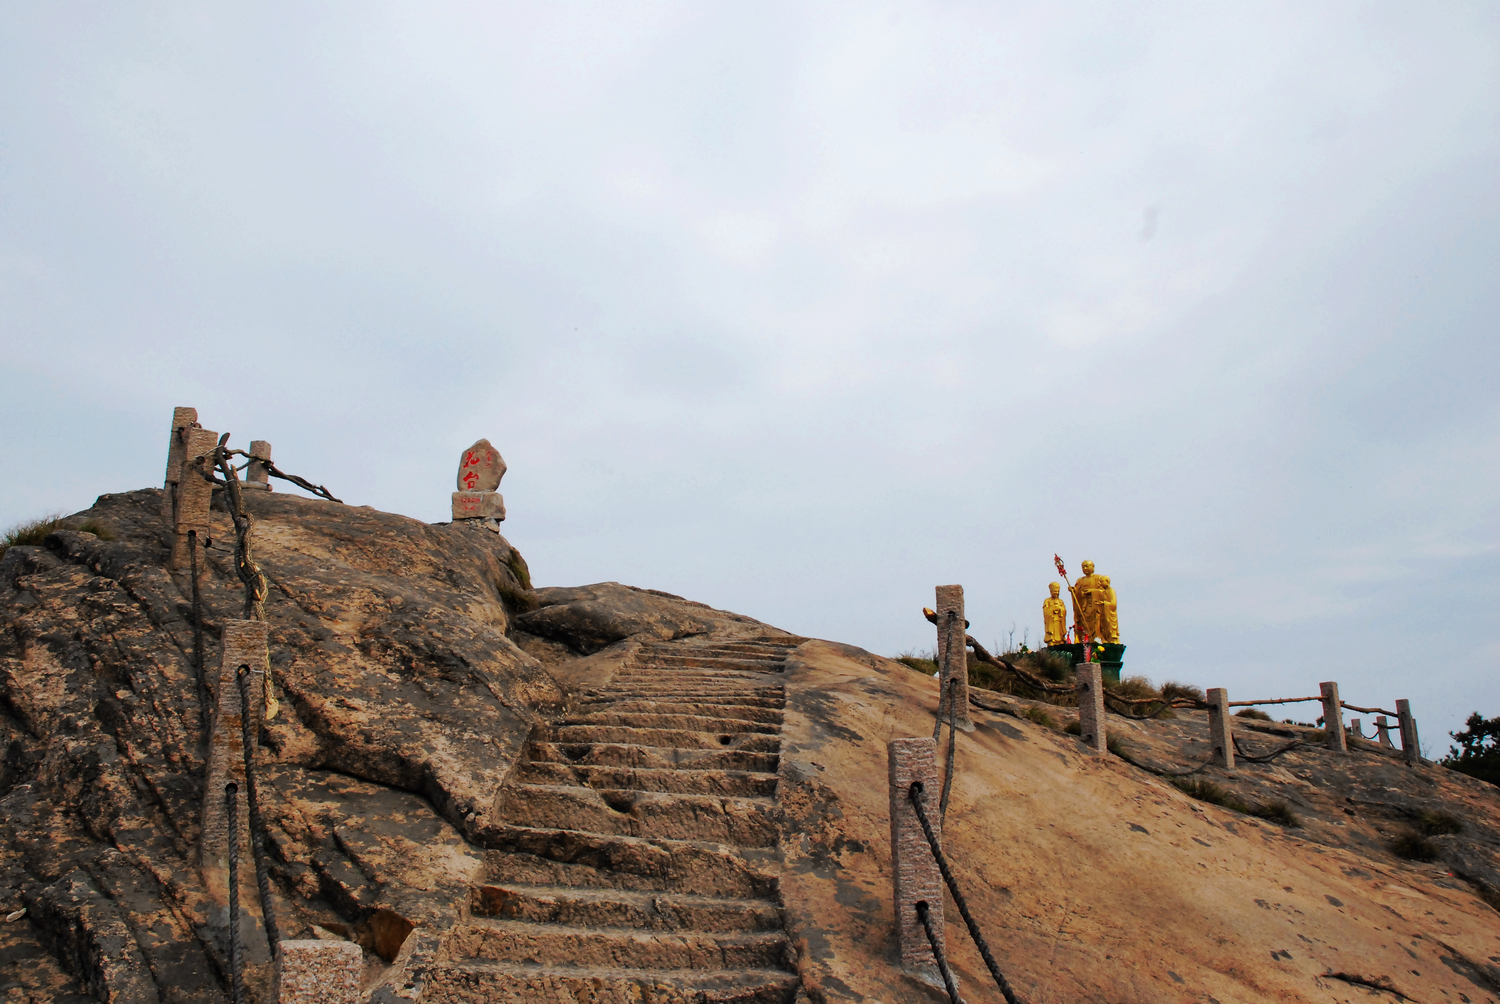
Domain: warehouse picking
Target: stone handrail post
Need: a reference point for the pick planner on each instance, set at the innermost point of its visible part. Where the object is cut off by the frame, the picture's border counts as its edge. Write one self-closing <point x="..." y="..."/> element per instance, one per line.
<point x="1411" y="749"/>
<point x="1091" y="724"/>
<point x="192" y="494"/>
<point x="1221" y="727"/>
<point x="1383" y="727"/>
<point x="1333" y="718"/>
<point x="953" y="655"/>
<point x="913" y="868"/>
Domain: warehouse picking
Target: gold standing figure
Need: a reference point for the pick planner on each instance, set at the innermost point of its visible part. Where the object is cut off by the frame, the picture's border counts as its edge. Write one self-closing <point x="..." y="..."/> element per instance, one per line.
<point x="1054" y="617"/>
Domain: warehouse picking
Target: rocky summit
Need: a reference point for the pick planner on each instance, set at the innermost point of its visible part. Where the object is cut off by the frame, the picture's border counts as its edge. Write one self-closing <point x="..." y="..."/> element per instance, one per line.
<point x="489" y="791"/>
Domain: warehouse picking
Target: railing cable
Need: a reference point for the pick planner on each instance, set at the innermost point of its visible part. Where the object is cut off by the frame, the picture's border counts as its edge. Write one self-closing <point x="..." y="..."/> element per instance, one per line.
<point x="915" y="794"/>
<point x="924" y="914"/>
<point x="236" y="956"/>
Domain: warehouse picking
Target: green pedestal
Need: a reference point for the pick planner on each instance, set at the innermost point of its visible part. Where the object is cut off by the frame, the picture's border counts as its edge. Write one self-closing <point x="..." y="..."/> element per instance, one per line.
<point x="1110" y="656"/>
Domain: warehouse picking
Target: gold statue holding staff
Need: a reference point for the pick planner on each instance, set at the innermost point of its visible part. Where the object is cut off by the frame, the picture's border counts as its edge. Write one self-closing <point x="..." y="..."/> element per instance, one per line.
<point x="1054" y="617"/>
<point x="1095" y="616"/>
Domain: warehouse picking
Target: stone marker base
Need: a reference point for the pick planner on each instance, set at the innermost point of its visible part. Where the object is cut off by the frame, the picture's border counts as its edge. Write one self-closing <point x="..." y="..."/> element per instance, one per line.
<point x="478" y="505"/>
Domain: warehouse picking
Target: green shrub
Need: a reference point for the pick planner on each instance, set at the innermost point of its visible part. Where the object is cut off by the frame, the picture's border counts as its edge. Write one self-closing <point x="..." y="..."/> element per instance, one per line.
<point x="1073" y="728"/>
<point x="30" y="533"/>
<point x="1114" y="744"/>
<point x="1478" y="751"/>
<point x="1040" y="717"/>
<point x="921" y="663"/>
<point x="1259" y="716"/>
<point x="1205" y="790"/>
<point x="1413" y="846"/>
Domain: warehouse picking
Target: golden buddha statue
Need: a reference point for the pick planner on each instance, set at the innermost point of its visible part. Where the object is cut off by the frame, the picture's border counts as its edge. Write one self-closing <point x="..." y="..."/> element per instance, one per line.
<point x="1108" y="612"/>
<point x="1085" y="605"/>
<point x="1054" y="617"/>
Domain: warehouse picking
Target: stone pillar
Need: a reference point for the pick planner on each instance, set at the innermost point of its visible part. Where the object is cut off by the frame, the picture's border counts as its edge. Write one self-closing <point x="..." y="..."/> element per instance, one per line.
<point x="182" y="420"/>
<point x="1355" y="732"/>
<point x="1411" y="750"/>
<point x="319" y="972"/>
<point x="1333" y="718"/>
<point x="953" y="660"/>
<point x="257" y="479"/>
<point x="244" y="643"/>
<point x="1091" y="727"/>
<point x="913" y="867"/>
<point x="1221" y="728"/>
<point x="193" y="496"/>
<point x="1383" y="726"/>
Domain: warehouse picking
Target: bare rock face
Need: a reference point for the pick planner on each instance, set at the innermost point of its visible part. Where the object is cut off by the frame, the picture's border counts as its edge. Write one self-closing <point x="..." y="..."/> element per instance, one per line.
<point x="403" y="707"/>
<point x="590" y="618"/>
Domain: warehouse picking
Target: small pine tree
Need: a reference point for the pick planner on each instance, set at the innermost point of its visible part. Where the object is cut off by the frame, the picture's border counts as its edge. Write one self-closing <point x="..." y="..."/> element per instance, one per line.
<point x="1478" y="750"/>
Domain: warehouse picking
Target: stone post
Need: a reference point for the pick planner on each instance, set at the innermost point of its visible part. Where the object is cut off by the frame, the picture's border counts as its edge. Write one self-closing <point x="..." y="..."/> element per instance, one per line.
<point x="244" y="643"/>
<point x="1221" y="727"/>
<point x="257" y="479"/>
<point x="1383" y="726"/>
<point x="1333" y="718"/>
<point x="1411" y="750"/>
<point x="1091" y="727"/>
<point x="182" y="420"/>
<point x="913" y="867"/>
<point x="953" y="659"/>
<point x="1355" y="732"/>
<point x="193" y="496"/>
<point x="319" y="972"/>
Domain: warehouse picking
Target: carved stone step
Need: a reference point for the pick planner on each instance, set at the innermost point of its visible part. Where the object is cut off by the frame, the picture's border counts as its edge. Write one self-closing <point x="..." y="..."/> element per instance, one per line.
<point x="747" y="822"/>
<point x="539" y="856"/>
<point x="685" y="706"/>
<point x="651" y="911"/>
<point x="672" y="719"/>
<point x="653" y="757"/>
<point x="564" y="945"/>
<point x="751" y="741"/>
<point x="502" y="983"/>
<point x="740" y="783"/>
<point x="625" y="700"/>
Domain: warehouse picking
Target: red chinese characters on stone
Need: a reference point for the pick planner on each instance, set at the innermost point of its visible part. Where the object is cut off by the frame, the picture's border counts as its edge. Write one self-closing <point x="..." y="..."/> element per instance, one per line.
<point x="480" y="468"/>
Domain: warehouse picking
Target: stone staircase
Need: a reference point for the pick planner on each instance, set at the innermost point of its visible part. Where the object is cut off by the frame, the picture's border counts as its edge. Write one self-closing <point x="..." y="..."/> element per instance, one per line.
<point x="626" y="868"/>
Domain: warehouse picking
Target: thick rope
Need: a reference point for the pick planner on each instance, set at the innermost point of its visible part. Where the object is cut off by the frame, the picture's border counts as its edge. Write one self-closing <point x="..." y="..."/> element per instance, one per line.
<point x="299" y="482"/>
<point x="924" y="914"/>
<point x="236" y="956"/>
<point x="257" y="831"/>
<point x="952" y="749"/>
<point x="1267" y="757"/>
<point x="914" y="793"/>
<point x="245" y="564"/>
<point x="205" y="700"/>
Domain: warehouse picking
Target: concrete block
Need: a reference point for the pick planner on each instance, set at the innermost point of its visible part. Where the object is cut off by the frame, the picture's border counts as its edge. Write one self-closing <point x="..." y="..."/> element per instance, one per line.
<point x="1091" y="726"/>
<point x="257" y="478"/>
<point x="319" y="972"/>
<point x="193" y="495"/>
<point x="1221" y="727"/>
<point x="244" y="643"/>
<point x="953" y="655"/>
<point x="478" y="505"/>
<point x="1333" y="718"/>
<point x="182" y="420"/>
<point x="913" y="867"/>
<point x="1411" y="748"/>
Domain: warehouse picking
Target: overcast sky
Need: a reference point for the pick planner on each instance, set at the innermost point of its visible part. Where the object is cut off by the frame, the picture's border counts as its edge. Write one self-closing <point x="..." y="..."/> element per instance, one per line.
<point x="803" y="309"/>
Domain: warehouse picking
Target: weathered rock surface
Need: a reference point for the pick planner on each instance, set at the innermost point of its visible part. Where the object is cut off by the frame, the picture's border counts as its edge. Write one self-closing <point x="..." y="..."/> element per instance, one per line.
<point x="609" y="794"/>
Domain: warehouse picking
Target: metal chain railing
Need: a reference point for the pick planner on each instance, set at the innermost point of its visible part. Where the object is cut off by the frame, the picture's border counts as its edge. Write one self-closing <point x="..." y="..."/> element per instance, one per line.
<point x="924" y="914"/>
<point x="236" y="956"/>
<point x="252" y="803"/>
<point x="915" y="794"/>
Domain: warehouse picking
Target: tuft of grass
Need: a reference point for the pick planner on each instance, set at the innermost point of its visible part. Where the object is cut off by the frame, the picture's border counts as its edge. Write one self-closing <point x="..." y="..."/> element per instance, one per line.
<point x="1277" y="812"/>
<point x="1040" y="717"/>
<point x="1259" y="716"/>
<point x="1114" y="744"/>
<point x="32" y="532"/>
<point x="1439" y="823"/>
<point x="1413" y="846"/>
<point x="1073" y="728"/>
<point x="1172" y="690"/>
<point x="920" y="663"/>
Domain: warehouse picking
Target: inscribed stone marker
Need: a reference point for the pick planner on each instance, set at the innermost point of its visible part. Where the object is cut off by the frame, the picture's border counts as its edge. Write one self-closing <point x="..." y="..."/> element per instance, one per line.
<point x="480" y="468"/>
